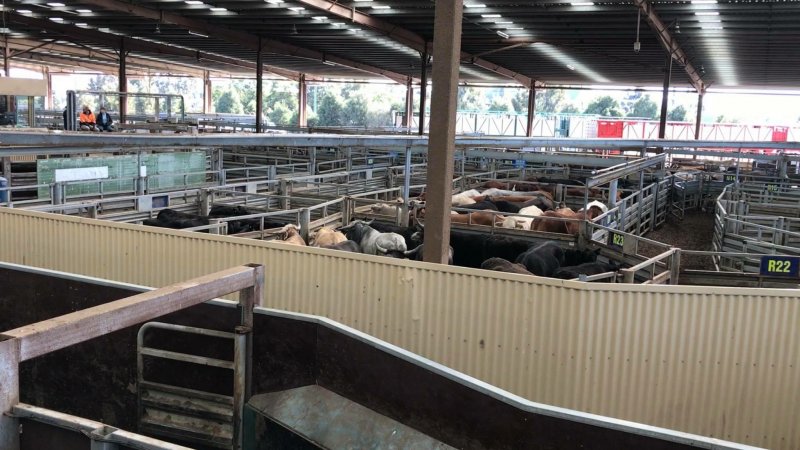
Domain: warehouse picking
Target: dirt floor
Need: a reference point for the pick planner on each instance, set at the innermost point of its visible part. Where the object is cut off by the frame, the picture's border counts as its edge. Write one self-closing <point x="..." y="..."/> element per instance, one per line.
<point x="694" y="232"/>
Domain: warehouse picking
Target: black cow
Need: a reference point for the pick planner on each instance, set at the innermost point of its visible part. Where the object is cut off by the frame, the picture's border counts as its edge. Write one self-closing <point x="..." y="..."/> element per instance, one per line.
<point x="543" y="259"/>
<point x="416" y="254"/>
<point x="169" y="218"/>
<point x="577" y="257"/>
<point x="502" y="265"/>
<point x="240" y="226"/>
<point x="593" y="268"/>
<point x="484" y="205"/>
<point x="541" y="202"/>
<point x="506" y="207"/>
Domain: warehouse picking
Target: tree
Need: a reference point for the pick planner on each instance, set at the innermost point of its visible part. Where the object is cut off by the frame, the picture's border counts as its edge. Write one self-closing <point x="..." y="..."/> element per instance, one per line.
<point x="471" y="99"/>
<point x="229" y="102"/>
<point x="604" y="106"/>
<point x="644" y="107"/>
<point x="678" y="113"/>
<point x="548" y="101"/>
<point x="329" y="109"/>
<point x="570" y="108"/>
<point x="355" y="111"/>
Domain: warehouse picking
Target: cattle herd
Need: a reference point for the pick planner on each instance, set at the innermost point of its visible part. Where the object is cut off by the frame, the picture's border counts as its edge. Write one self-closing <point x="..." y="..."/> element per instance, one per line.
<point x="498" y="204"/>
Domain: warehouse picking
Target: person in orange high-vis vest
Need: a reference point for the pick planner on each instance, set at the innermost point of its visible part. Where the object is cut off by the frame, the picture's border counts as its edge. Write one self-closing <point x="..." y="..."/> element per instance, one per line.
<point x="87" y="120"/>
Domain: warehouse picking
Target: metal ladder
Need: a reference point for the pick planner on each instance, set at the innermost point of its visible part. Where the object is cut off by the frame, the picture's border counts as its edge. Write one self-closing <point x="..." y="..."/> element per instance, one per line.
<point x="189" y="415"/>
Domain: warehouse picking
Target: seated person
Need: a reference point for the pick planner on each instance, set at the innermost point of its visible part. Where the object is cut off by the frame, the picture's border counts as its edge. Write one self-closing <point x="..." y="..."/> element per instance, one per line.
<point x="104" y="121"/>
<point x="86" y="120"/>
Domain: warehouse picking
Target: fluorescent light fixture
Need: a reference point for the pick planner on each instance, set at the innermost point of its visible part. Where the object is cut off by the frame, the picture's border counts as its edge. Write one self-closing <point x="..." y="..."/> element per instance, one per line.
<point x="558" y="55"/>
<point x="704" y="2"/>
<point x="218" y="9"/>
<point x="712" y="27"/>
<point x="25" y="11"/>
<point x="706" y="13"/>
<point x="83" y="11"/>
<point x="194" y="33"/>
<point x="514" y="28"/>
<point x="193" y="2"/>
<point x="296" y="8"/>
<point x="57" y="19"/>
<point x="582" y="3"/>
<point x="504" y="23"/>
<point x="82" y="25"/>
<point x="709" y="20"/>
<point x="503" y="35"/>
<point x="55" y="5"/>
<point x="337" y="24"/>
<point x="489" y="16"/>
<point x="474" y="5"/>
<point x="319" y="18"/>
<point x="274" y="2"/>
<point x="381" y="7"/>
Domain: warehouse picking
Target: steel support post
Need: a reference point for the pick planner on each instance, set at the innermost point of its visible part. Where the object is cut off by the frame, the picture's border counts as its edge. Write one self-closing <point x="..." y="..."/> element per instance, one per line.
<point x="531" y="110"/>
<point x="9" y="393"/>
<point x="259" y="89"/>
<point x="312" y="161"/>
<point x="441" y="143"/>
<point x="302" y="102"/>
<point x="123" y="81"/>
<point x="207" y="93"/>
<point x="612" y="194"/>
<point x="423" y="91"/>
<point x="662" y="123"/>
<point x="48" y="101"/>
<point x="409" y="113"/>
<point x="406" y="187"/>
<point x="699" y="118"/>
<point x="71" y="123"/>
<point x="6" y="57"/>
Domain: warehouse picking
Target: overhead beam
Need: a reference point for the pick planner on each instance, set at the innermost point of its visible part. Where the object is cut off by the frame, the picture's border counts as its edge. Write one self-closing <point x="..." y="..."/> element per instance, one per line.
<point x="146" y="47"/>
<point x="407" y="37"/>
<point x="106" y="68"/>
<point x="669" y="43"/>
<point x="28" y="46"/>
<point x="245" y="39"/>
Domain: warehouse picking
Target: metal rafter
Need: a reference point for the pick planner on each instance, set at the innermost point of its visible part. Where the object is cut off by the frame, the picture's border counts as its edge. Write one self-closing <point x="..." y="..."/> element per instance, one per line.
<point x="28" y="46"/>
<point x="408" y="38"/>
<point x="145" y="47"/>
<point x="669" y="43"/>
<point x="245" y="39"/>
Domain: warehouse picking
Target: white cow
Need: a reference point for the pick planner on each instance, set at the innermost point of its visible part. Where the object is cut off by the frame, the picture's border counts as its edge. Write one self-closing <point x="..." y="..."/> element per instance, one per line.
<point x="523" y="223"/>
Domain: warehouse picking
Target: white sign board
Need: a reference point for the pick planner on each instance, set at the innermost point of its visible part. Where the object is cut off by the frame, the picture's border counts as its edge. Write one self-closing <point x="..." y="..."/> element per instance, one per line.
<point x="81" y="174"/>
<point x="23" y="86"/>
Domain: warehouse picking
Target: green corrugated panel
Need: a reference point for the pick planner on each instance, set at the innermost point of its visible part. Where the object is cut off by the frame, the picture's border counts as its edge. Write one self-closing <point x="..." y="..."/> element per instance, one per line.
<point x="123" y="169"/>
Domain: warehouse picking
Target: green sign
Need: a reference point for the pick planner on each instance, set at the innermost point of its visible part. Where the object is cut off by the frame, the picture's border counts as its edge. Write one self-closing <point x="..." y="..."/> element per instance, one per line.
<point x="616" y="240"/>
<point x="730" y="178"/>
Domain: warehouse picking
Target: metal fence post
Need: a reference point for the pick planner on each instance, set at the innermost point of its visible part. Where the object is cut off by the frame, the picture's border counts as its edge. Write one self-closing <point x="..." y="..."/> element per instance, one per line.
<point x="205" y="202"/>
<point x="283" y="191"/>
<point x="9" y="393"/>
<point x="58" y="193"/>
<point x="305" y="220"/>
<point x="675" y="267"/>
<point x="273" y="173"/>
<point x="243" y="350"/>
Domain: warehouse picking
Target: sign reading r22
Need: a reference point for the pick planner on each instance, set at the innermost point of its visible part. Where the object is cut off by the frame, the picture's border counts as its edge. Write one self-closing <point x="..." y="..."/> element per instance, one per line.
<point x="780" y="266"/>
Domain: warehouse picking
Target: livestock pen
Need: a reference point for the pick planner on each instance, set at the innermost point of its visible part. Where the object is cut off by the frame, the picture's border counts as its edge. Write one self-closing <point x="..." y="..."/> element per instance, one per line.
<point x="227" y="375"/>
<point x="680" y="357"/>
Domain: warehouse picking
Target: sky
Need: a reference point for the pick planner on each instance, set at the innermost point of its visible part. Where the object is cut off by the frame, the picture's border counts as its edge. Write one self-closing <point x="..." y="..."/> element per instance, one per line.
<point x="757" y="108"/>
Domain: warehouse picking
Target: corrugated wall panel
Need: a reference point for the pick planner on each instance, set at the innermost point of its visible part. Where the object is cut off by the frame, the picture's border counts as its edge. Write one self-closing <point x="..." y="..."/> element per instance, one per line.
<point x="714" y="361"/>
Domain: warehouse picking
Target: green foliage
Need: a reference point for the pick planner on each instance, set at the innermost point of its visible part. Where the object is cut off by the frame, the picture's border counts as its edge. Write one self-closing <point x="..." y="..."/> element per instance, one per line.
<point x="471" y="99"/>
<point x="355" y="111"/>
<point x="548" y="101"/>
<point x="330" y="109"/>
<point x="229" y="102"/>
<point x="678" y="113"/>
<point x="604" y="106"/>
<point x="569" y="108"/>
<point x="644" y="107"/>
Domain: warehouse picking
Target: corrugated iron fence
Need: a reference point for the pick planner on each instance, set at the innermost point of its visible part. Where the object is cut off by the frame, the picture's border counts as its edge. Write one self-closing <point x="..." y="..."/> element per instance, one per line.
<point x="714" y="361"/>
